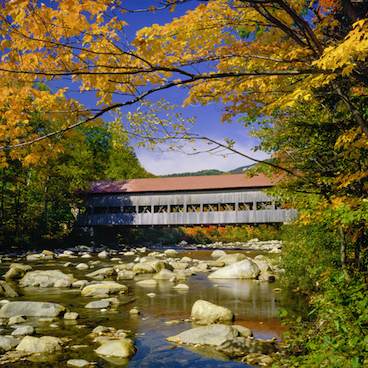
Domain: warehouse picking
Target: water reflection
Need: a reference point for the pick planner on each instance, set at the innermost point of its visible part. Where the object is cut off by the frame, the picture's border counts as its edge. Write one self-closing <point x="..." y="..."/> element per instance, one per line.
<point x="244" y="297"/>
<point x="255" y="305"/>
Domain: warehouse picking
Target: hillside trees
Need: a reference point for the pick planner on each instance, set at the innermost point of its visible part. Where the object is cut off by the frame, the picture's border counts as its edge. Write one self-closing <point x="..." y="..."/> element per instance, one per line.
<point x="39" y="200"/>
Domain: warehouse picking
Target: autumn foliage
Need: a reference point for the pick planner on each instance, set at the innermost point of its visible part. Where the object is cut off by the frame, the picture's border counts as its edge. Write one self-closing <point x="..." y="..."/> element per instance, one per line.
<point x="199" y="234"/>
<point x="228" y="234"/>
<point x="254" y="57"/>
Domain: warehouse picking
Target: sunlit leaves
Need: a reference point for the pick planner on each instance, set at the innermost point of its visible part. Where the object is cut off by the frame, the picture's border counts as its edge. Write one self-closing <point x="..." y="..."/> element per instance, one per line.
<point x="350" y="52"/>
<point x="254" y="58"/>
<point x="153" y="126"/>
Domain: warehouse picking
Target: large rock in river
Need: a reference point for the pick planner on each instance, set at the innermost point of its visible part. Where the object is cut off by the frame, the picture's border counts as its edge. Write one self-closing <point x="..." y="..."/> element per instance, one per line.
<point x="206" y="313"/>
<point x="232" y="258"/>
<point x="43" y="278"/>
<point x="102" y="273"/>
<point x="6" y="290"/>
<point x="208" y="335"/>
<point x="122" y="348"/>
<point x="44" y="344"/>
<point x="164" y="274"/>
<point x="17" y="271"/>
<point x="29" y="309"/>
<point x="104" y="288"/>
<point x="8" y="343"/>
<point x="156" y="264"/>
<point x="245" y="269"/>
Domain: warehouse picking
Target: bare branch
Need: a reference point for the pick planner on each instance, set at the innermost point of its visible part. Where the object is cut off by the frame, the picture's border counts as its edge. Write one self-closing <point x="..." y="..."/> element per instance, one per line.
<point x="193" y="78"/>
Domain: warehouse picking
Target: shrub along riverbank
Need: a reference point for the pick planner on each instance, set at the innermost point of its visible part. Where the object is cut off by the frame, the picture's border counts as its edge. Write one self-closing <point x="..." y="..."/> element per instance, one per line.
<point x="336" y="334"/>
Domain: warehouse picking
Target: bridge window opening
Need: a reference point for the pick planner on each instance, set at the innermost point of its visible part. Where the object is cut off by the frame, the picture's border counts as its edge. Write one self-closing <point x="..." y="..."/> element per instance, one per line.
<point x="176" y="208"/>
<point x="194" y="208"/>
<point x="85" y="211"/>
<point x="144" y="209"/>
<point x="227" y="207"/>
<point x="99" y="210"/>
<point x="264" y="206"/>
<point x="130" y="209"/>
<point x="210" y="207"/>
<point x="245" y="206"/>
<point x="113" y="209"/>
<point x="160" y="209"/>
<point x="279" y="205"/>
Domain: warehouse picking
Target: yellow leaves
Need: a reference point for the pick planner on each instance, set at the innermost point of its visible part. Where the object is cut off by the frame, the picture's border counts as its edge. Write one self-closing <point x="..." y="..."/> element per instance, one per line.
<point x="352" y="140"/>
<point x="30" y="159"/>
<point x="348" y="69"/>
<point x="344" y="180"/>
<point x="81" y="40"/>
<point x="359" y="24"/>
<point x="172" y="5"/>
<point x="3" y="161"/>
<point x="353" y="48"/>
<point x="20" y="16"/>
<point x="352" y="145"/>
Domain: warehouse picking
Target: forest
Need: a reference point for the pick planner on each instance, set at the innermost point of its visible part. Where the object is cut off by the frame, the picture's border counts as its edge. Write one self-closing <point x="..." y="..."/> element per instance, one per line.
<point x="293" y="71"/>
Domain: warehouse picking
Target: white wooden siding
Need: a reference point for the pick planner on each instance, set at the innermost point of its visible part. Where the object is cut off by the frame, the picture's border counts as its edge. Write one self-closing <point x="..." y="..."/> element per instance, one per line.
<point x="183" y="218"/>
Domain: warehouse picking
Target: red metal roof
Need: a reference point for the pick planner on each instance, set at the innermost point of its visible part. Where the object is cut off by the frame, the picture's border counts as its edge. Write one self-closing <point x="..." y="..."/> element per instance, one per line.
<point x="186" y="183"/>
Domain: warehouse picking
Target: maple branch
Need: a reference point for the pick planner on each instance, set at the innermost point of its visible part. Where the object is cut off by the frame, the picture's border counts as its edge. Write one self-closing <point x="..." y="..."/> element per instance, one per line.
<point x="94" y="117"/>
<point x="193" y="77"/>
<point x="151" y="9"/>
<point x="353" y="110"/>
<point x="305" y="25"/>
<point x="297" y="19"/>
<point x="229" y="147"/>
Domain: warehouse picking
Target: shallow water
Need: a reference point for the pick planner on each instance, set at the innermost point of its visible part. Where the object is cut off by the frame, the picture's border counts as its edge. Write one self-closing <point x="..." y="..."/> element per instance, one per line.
<point x="255" y="305"/>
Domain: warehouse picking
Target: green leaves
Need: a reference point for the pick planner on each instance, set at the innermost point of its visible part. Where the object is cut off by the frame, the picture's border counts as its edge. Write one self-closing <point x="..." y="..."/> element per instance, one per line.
<point x="339" y="334"/>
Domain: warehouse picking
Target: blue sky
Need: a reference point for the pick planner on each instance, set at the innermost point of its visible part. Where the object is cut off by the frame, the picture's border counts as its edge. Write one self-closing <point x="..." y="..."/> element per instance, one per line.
<point x="207" y="120"/>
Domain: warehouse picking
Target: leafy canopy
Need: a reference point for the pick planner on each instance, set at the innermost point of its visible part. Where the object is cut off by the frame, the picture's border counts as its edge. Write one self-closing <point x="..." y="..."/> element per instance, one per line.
<point x="255" y="57"/>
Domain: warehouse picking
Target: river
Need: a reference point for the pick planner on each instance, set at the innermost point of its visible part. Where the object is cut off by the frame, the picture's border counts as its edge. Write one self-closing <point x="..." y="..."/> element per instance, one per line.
<point x="255" y="305"/>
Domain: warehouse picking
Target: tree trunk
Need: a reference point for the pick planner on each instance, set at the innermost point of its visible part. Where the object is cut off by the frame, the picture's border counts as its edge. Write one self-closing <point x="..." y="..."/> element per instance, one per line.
<point x="343" y="254"/>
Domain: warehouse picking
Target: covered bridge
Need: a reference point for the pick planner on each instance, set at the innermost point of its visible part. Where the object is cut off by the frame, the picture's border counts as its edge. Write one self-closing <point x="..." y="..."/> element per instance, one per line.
<point x="181" y="201"/>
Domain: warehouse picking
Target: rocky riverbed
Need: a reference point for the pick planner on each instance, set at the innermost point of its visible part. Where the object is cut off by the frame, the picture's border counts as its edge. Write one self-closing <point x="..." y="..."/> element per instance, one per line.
<point x="77" y="307"/>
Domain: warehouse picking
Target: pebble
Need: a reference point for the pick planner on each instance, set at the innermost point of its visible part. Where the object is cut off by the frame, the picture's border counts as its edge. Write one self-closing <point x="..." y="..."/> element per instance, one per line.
<point x="181" y="287"/>
<point x="71" y="315"/>
<point x="172" y="322"/>
<point x="23" y="330"/>
<point x="78" y="363"/>
<point x="76" y="347"/>
<point x="46" y="320"/>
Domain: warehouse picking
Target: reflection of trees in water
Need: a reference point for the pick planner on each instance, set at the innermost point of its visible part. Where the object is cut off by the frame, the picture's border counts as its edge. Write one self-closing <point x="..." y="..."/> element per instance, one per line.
<point x="296" y="304"/>
<point x="246" y="298"/>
